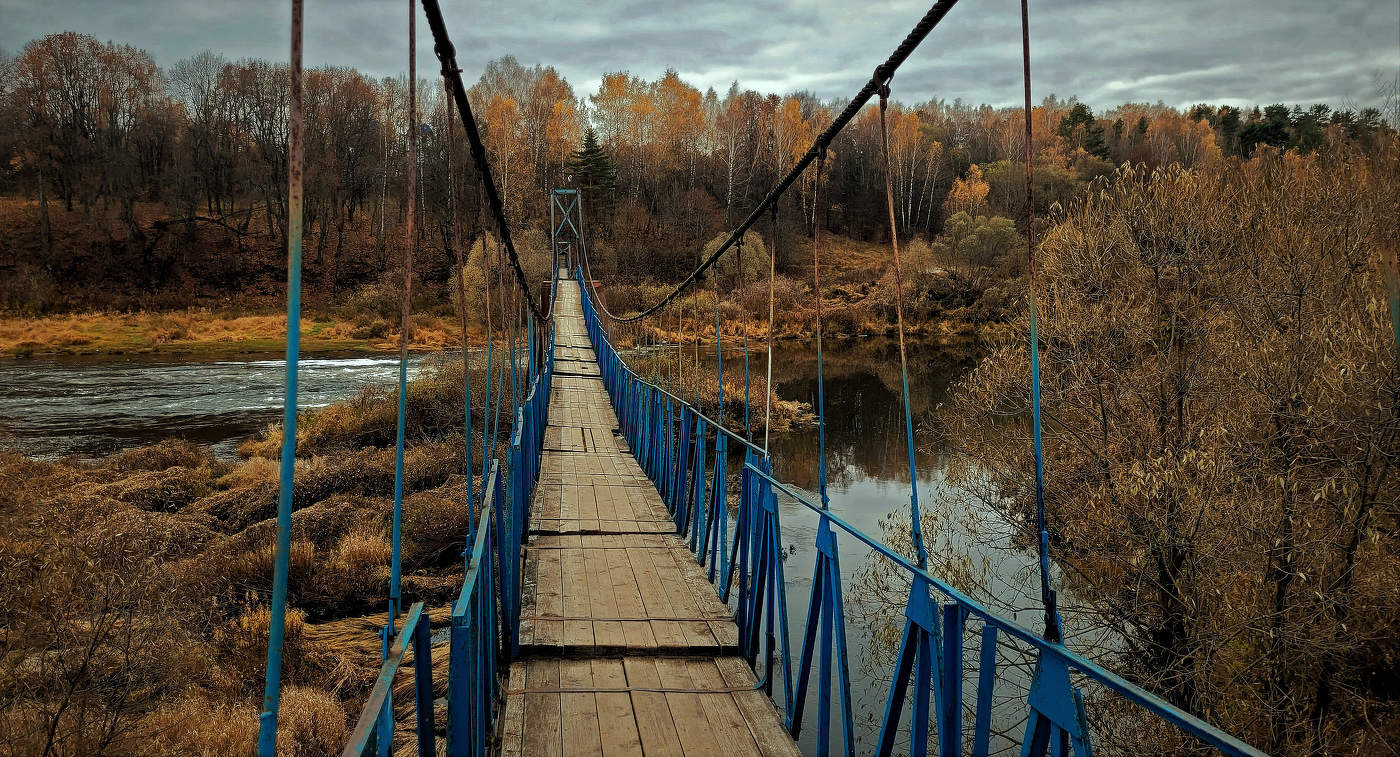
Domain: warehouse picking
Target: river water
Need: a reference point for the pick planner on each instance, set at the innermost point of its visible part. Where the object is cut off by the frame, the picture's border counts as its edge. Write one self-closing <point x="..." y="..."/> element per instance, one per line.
<point x="868" y="487"/>
<point x="88" y="406"/>
<point x="92" y="405"/>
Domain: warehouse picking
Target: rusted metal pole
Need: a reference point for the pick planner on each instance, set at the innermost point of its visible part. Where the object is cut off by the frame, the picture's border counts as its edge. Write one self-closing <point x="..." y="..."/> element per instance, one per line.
<point x="272" y="691"/>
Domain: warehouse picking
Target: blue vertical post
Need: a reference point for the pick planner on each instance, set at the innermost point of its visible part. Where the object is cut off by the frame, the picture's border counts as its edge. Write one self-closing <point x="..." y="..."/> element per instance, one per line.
<point x="272" y="691"/>
<point x="405" y="331"/>
<point x="423" y="686"/>
<point x="950" y="725"/>
<point x="467" y="436"/>
<point x="530" y="359"/>
<point x="986" y="679"/>
<point x="486" y="430"/>
<point x="384" y="727"/>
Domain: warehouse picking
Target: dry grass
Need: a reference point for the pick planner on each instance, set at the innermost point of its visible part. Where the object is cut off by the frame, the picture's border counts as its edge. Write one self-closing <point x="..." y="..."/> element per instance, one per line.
<point x="310" y="723"/>
<point x="363" y="547"/>
<point x="200" y="726"/>
<point x="208" y="332"/>
<point x="434" y="408"/>
<point x="159" y="559"/>
<point x="660" y="368"/>
<point x="858" y="298"/>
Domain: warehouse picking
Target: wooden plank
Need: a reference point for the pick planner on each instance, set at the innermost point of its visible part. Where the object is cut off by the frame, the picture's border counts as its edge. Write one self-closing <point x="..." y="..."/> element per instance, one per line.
<point x="637" y="636"/>
<point x="513" y="728"/>
<point x="696" y="633"/>
<point x="655" y="727"/>
<point x="758" y="711"/>
<point x="580" y="711"/>
<point x="687" y="711"/>
<point x="655" y="600"/>
<point x="606" y="505"/>
<point x="543" y="727"/>
<point x="618" y="725"/>
<point x="549" y="598"/>
<point x="577" y="633"/>
<point x="724" y="716"/>
<point x="607" y="634"/>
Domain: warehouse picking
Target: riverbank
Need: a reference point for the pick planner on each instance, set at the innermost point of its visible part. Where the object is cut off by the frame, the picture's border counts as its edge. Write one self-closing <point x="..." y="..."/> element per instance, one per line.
<point x="210" y="333"/>
<point x="172" y="548"/>
<point x="201" y="332"/>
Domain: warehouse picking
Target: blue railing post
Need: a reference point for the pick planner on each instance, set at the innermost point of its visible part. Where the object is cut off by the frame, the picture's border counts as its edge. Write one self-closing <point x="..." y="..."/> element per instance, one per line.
<point x="423" y="687"/>
<point x="986" y="680"/>
<point x="950" y="724"/>
<point x="272" y="687"/>
<point x="718" y="540"/>
<point x="384" y="724"/>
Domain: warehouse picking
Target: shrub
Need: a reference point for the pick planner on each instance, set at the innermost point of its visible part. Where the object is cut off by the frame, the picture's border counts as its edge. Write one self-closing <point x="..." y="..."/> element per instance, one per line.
<point x="310" y="723"/>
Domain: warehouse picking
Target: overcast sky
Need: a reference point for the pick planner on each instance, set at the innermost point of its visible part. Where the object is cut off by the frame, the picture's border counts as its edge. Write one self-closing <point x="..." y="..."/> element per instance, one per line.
<point x="1106" y="52"/>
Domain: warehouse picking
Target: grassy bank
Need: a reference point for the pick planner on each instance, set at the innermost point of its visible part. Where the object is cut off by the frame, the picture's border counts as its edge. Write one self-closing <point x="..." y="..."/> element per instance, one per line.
<point x="209" y="332"/>
<point x="943" y="300"/>
<point x="134" y="589"/>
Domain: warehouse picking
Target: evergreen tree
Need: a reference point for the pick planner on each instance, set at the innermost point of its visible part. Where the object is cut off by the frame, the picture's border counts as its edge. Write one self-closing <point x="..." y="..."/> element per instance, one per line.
<point x="1229" y="129"/>
<point x="1270" y="128"/>
<point x="1083" y="130"/>
<point x="593" y="170"/>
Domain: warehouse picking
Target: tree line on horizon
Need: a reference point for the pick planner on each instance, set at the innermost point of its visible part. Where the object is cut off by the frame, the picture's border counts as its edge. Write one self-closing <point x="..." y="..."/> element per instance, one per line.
<point x="102" y="130"/>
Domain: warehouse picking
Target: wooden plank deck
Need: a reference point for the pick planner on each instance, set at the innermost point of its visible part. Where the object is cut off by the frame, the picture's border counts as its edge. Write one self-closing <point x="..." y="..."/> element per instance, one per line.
<point x="625" y="649"/>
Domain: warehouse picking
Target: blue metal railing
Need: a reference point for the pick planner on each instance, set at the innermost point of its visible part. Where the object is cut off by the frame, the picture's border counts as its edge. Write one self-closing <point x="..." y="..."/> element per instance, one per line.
<point x="484" y="626"/>
<point x="669" y="437"/>
<point x="374" y="733"/>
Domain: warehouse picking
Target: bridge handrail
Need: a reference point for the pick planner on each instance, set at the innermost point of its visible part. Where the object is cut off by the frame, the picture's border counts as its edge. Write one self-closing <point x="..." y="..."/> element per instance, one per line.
<point x="367" y="734"/>
<point x="646" y="428"/>
<point x="1184" y="720"/>
<point x="484" y="620"/>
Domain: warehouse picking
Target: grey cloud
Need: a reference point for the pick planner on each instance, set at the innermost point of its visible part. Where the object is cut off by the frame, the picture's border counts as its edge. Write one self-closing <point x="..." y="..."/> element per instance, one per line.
<point x="1104" y="51"/>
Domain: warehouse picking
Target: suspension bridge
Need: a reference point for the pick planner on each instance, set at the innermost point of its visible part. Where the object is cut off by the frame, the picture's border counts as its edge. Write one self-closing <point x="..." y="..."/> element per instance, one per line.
<point x="619" y="598"/>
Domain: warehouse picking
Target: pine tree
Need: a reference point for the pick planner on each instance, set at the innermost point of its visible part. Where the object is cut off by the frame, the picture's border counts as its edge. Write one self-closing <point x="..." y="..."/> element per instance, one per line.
<point x="593" y="170"/>
<point x="1083" y="130"/>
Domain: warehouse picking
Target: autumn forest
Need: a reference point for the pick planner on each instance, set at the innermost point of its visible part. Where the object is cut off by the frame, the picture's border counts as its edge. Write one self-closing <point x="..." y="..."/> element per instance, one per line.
<point x="1220" y="364"/>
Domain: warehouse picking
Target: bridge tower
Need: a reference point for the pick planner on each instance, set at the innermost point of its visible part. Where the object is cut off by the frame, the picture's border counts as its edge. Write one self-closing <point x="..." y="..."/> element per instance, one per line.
<point x="566" y="227"/>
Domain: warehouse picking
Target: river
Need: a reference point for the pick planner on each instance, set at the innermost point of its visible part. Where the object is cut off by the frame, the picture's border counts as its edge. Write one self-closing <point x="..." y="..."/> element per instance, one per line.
<point x="89" y="406"/>
<point x="868" y="487"/>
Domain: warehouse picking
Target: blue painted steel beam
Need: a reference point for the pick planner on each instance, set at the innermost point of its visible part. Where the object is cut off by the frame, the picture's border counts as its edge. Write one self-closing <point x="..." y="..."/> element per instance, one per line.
<point x="364" y="734"/>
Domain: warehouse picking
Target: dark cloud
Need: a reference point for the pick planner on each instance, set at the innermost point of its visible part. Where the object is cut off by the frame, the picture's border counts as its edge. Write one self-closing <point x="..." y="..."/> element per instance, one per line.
<point x="1104" y="51"/>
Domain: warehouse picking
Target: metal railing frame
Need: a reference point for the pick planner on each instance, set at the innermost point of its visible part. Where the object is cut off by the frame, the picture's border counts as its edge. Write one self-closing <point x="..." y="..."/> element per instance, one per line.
<point x="668" y="435"/>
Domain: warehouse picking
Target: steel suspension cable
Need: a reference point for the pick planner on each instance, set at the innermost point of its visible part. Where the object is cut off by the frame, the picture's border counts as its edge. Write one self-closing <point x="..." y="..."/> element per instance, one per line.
<point x="447" y="56"/>
<point x="462" y="312"/>
<point x="272" y="690"/>
<point x="817" y="295"/>
<point x="719" y="361"/>
<point x="1047" y="595"/>
<point x="696" y="373"/>
<point x="768" y="380"/>
<point x="739" y="286"/>
<point x="501" y="363"/>
<point x="916" y="530"/>
<point x="882" y="74"/>
<point x="486" y="430"/>
<point x="405" y="329"/>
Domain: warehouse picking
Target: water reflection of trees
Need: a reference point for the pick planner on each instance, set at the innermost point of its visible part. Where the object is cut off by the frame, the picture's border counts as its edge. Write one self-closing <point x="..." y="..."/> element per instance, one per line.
<point x="864" y="414"/>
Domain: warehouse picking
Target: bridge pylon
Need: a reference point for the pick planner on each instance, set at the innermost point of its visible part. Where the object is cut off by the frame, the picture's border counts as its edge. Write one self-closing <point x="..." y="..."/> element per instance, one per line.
<point x="565" y="227"/>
